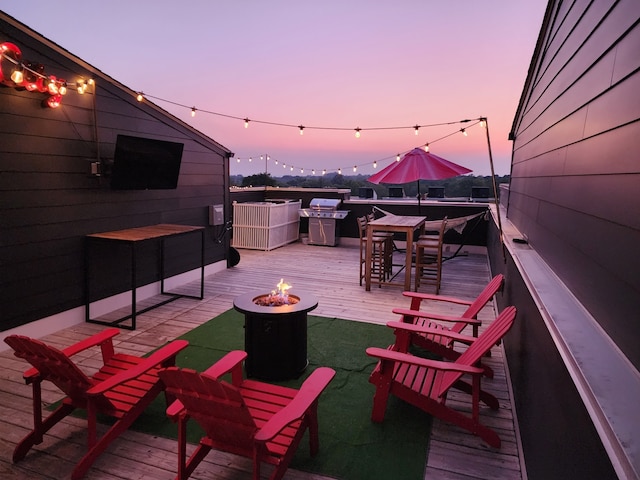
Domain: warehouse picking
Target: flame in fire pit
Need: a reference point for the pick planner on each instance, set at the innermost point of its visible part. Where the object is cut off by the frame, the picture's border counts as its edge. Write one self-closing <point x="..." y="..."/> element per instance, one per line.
<point x="277" y="297"/>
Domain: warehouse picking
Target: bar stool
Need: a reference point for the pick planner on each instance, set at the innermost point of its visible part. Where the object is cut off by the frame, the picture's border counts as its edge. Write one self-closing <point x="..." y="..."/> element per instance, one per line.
<point x="378" y="267"/>
<point x="388" y="247"/>
<point x="428" y="267"/>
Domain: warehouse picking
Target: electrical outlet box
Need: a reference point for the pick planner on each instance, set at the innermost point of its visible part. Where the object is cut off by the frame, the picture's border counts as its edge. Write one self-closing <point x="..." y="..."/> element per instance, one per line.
<point x="216" y="215"/>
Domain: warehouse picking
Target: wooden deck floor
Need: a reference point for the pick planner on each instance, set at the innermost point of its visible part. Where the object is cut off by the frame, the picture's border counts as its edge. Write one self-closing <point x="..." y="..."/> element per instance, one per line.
<point x="332" y="275"/>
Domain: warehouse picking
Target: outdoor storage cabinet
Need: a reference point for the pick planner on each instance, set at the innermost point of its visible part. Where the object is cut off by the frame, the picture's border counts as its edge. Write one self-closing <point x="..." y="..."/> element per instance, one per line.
<point x="265" y="225"/>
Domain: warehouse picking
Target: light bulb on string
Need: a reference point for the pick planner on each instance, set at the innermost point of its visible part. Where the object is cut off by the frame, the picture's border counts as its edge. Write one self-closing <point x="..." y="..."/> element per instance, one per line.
<point x="375" y="164"/>
<point x="275" y="161"/>
<point x="483" y="122"/>
<point x="140" y="96"/>
<point x="193" y="112"/>
<point x="238" y="159"/>
<point x="292" y="168"/>
<point x="463" y="131"/>
<point x="17" y="76"/>
<point x="397" y="157"/>
<point x="339" y="171"/>
<point x="313" y="171"/>
<point x="301" y="127"/>
<point x="416" y="128"/>
<point x="250" y="159"/>
<point x="355" y="168"/>
<point x="358" y="132"/>
<point x="324" y="171"/>
<point x="246" y="123"/>
<point x="426" y="147"/>
<point x="54" y="101"/>
<point x="302" y="170"/>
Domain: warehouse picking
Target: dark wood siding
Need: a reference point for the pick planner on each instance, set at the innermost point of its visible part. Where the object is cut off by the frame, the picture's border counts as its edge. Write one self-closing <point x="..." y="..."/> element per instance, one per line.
<point x="575" y="173"/>
<point x="49" y="201"/>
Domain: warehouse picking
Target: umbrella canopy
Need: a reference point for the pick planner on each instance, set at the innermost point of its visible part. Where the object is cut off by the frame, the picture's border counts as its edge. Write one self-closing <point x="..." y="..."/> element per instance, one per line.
<point x="418" y="165"/>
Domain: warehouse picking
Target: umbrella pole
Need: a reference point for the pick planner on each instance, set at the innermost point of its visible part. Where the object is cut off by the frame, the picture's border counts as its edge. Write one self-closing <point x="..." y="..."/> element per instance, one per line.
<point x="419" y="204"/>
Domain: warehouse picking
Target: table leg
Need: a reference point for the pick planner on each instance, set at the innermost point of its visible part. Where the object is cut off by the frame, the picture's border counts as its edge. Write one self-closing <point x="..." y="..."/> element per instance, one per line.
<point x="367" y="258"/>
<point x="407" y="272"/>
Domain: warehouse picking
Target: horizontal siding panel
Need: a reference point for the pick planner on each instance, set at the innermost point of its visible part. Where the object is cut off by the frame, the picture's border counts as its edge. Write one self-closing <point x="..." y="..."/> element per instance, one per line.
<point x="613" y="153"/>
<point x="616" y="107"/>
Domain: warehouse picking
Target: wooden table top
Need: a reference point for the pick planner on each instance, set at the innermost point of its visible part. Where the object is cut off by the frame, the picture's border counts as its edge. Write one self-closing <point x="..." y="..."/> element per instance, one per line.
<point x="407" y="221"/>
<point x="146" y="233"/>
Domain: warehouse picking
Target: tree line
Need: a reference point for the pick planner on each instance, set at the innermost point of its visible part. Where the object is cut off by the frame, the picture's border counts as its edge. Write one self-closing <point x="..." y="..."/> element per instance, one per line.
<point x="453" y="187"/>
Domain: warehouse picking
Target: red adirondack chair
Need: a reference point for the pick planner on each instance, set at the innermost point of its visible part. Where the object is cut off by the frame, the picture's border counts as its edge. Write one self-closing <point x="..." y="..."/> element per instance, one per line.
<point x="253" y="419"/>
<point x="123" y="387"/>
<point x="440" y="342"/>
<point x="425" y="383"/>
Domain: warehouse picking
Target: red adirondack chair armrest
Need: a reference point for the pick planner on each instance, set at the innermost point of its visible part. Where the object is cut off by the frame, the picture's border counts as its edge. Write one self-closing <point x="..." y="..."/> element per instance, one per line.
<point x="175" y="410"/>
<point x="393" y="356"/>
<point x="410" y="327"/>
<point x="435" y="316"/>
<point x="440" y="298"/>
<point x="231" y="362"/>
<point x="309" y="392"/>
<point x="157" y="358"/>
<point x="92" y="341"/>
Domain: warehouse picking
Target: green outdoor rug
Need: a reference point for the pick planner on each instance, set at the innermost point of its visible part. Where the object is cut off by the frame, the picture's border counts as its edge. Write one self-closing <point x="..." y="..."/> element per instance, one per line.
<point x="352" y="447"/>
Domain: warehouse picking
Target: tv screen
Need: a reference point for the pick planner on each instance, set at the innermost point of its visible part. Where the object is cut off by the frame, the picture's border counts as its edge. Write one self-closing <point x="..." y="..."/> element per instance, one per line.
<point x="145" y="164"/>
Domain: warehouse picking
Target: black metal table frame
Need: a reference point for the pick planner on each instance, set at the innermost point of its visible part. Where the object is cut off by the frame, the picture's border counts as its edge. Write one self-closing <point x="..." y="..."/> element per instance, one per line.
<point x="134" y="312"/>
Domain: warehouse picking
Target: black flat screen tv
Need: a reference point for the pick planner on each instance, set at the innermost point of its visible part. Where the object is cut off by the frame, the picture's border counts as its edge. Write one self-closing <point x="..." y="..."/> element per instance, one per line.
<point x="145" y="164"/>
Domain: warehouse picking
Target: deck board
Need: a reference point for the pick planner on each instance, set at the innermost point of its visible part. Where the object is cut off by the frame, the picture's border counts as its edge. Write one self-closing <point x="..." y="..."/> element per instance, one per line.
<point x="331" y="274"/>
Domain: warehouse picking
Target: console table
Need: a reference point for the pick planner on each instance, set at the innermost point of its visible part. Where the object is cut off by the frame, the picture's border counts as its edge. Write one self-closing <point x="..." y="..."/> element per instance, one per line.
<point x="136" y="238"/>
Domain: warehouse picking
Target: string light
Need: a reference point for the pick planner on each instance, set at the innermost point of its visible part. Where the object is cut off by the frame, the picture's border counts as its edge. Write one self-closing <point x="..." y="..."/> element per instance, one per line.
<point x="17" y="76"/>
<point x="358" y="132"/>
<point x="416" y="128"/>
<point x="193" y="112"/>
<point x="301" y="127"/>
<point x="140" y="96"/>
<point x="479" y="121"/>
<point x="246" y="123"/>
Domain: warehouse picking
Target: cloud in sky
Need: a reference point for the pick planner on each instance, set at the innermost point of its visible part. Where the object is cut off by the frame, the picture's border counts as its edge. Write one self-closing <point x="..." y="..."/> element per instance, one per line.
<point x="331" y="64"/>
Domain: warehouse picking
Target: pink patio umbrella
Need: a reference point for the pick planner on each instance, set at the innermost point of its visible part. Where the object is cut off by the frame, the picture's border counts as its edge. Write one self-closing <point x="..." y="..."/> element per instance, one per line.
<point x="415" y="166"/>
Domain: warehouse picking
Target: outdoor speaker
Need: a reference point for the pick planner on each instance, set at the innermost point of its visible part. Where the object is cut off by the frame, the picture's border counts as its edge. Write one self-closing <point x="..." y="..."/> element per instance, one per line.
<point x="365" y="192"/>
<point x="479" y="192"/>
<point x="435" y="192"/>
<point x="396" y="192"/>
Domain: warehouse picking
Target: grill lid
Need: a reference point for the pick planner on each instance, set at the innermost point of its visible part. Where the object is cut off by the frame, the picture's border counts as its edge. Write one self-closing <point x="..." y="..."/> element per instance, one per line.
<point x="324" y="203"/>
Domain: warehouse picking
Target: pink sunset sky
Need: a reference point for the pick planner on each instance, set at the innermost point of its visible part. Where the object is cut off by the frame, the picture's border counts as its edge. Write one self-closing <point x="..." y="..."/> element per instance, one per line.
<point x="334" y="65"/>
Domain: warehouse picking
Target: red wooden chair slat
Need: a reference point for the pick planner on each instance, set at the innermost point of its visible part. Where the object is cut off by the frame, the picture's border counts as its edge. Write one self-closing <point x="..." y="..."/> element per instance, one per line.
<point x="123" y="387"/>
<point x="257" y="420"/>
<point x="438" y="341"/>
<point x="425" y="383"/>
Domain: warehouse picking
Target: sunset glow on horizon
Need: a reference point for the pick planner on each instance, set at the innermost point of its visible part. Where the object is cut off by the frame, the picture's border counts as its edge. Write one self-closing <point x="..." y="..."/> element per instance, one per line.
<point x="332" y="65"/>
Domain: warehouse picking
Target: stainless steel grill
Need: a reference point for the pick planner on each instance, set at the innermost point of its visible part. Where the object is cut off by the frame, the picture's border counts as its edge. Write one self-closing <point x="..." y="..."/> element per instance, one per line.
<point x="323" y="214"/>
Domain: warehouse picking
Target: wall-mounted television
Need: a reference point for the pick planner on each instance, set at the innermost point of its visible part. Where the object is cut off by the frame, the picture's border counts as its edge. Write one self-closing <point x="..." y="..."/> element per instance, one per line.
<point x="145" y="164"/>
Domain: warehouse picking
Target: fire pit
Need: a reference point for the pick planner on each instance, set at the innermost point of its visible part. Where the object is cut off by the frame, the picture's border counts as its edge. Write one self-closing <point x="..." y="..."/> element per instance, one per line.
<point x="275" y="333"/>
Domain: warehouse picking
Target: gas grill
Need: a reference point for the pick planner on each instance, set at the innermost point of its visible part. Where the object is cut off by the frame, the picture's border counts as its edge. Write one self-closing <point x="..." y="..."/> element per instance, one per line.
<point x="323" y="214"/>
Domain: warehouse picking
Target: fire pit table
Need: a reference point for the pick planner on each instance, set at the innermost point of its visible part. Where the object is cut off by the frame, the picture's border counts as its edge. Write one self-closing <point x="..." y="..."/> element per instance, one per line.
<point x="275" y="335"/>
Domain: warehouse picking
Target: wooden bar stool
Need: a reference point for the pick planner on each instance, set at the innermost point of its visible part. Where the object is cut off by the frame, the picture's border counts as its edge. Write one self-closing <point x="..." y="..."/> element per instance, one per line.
<point x="428" y="267"/>
<point x="378" y="254"/>
<point x="388" y="248"/>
